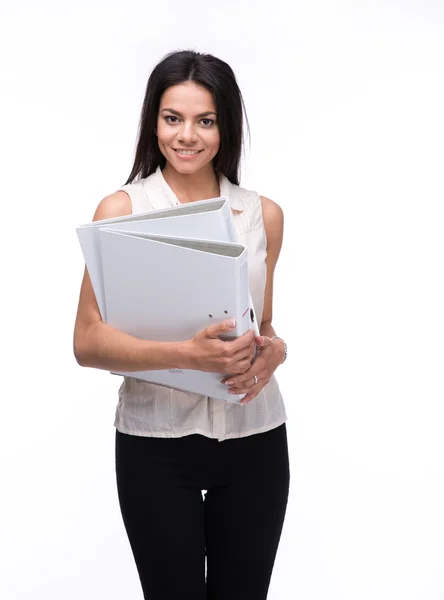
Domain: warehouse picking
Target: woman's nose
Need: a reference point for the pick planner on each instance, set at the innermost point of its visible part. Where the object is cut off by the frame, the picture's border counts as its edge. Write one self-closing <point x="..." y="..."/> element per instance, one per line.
<point x="187" y="132"/>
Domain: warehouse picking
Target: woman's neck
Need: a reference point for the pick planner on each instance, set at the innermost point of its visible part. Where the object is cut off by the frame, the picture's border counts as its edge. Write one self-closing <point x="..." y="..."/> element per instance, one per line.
<point x="201" y="185"/>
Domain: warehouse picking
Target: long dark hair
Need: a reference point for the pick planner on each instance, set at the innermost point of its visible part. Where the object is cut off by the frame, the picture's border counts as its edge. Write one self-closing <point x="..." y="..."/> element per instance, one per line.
<point x="218" y="78"/>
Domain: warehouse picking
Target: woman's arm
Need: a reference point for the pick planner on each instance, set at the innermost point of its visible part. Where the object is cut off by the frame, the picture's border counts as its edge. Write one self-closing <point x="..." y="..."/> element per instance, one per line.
<point x="274" y="228"/>
<point x="271" y="353"/>
<point x="98" y="345"/>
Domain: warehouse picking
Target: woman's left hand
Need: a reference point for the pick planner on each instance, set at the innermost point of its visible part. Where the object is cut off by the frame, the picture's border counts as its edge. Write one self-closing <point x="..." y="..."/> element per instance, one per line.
<point x="269" y="356"/>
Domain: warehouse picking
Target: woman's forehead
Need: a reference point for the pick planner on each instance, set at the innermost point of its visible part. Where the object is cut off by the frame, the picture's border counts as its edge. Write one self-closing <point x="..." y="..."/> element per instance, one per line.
<point x="188" y="96"/>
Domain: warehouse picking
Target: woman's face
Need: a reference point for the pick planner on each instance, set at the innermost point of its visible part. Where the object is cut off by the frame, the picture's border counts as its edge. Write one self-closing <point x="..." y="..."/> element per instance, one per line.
<point x="187" y="120"/>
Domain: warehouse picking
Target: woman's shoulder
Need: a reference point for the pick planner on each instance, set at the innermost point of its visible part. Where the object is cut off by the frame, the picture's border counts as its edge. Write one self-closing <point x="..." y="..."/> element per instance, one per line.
<point x="271" y="210"/>
<point x="117" y="204"/>
<point x="258" y="206"/>
<point x="138" y="194"/>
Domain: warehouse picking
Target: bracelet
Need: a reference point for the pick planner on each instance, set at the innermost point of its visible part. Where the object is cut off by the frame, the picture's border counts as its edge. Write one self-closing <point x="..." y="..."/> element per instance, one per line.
<point x="276" y="337"/>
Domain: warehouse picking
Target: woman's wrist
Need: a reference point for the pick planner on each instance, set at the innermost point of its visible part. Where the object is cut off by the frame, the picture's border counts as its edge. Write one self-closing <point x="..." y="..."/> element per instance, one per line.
<point x="184" y="355"/>
<point x="284" y="348"/>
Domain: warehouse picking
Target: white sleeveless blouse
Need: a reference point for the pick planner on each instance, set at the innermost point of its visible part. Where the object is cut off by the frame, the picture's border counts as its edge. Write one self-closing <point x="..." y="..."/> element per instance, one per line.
<point x="152" y="410"/>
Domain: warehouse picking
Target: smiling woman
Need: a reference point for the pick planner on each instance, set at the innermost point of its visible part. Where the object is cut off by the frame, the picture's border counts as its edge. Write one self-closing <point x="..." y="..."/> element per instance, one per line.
<point x="188" y="140"/>
<point x="173" y="445"/>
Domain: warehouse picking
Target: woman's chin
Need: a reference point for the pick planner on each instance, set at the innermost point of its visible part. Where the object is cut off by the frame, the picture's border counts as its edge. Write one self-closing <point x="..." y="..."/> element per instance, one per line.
<point x="189" y="166"/>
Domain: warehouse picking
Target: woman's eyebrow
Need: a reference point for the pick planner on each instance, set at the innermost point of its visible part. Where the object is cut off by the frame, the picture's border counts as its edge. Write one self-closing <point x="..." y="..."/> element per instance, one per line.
<point x="204" y="114"/>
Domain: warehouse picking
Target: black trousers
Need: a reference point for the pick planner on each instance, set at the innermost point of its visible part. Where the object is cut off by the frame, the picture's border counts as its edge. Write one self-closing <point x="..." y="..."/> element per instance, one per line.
<point x="171" y="527"/>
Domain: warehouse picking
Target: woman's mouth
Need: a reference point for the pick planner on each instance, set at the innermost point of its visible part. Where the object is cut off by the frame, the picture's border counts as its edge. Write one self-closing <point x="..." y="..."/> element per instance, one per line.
<point x="187" y="153"/>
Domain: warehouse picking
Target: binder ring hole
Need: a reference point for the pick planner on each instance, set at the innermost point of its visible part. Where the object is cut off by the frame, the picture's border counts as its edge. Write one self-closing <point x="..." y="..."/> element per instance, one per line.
<point x="226" y="312"/>
<point x="211" y="316"/>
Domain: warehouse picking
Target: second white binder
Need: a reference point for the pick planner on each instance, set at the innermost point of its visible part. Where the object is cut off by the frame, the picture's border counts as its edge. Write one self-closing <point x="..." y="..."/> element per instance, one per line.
<point x="168" y="288"/>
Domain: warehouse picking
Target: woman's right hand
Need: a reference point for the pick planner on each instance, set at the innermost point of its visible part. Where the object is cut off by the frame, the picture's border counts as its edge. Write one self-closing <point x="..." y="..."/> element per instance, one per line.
<point x="209" y="353"/>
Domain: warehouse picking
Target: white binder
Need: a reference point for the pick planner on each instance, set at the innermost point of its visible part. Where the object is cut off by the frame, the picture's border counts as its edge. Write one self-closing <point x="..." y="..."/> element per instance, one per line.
<point x="209" y="219"/>
<point x="169" y="288"/>
<point x="169" y="232"/>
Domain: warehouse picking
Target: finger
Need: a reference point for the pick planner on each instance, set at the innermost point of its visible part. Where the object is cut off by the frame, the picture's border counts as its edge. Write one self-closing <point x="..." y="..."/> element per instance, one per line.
<point x="214" y="331"/>
<point x="262" y="341"/>
<point x="251" y="386"/>
<point x="240" y="362"/>
<point x="242" y="353"/>
<point x="237" y="380"/>
<point x="244" y="386"/>
<point x="238" y="392"/>
<point x="245" y="383"/>
<point x="242" y="342"/>
<point x="249" y="397"/>
<point x="257" y="364"/>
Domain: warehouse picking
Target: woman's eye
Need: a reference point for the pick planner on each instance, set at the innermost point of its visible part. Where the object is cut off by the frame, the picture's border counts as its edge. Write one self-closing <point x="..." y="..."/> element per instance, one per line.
<point x="206" y="122"/>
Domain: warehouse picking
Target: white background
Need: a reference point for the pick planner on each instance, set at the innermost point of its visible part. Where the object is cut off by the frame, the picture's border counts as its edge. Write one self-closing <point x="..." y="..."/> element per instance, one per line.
<point x="345" y="103"/>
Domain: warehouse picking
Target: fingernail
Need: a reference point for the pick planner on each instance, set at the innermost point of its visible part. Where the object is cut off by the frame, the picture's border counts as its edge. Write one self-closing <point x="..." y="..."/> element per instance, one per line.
<point x="228" y="383"/>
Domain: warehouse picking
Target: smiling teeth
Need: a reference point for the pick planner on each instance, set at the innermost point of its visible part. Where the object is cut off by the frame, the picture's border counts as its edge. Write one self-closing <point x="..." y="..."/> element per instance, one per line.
<point x="188" y="151"/>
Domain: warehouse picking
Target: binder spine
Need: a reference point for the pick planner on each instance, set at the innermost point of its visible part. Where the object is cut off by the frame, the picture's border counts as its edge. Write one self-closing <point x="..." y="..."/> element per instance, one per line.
<point x="243" y="295"/>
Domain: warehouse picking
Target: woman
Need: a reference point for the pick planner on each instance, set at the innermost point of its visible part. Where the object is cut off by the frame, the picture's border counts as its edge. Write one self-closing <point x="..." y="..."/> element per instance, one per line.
<point x="172" y="445"/>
